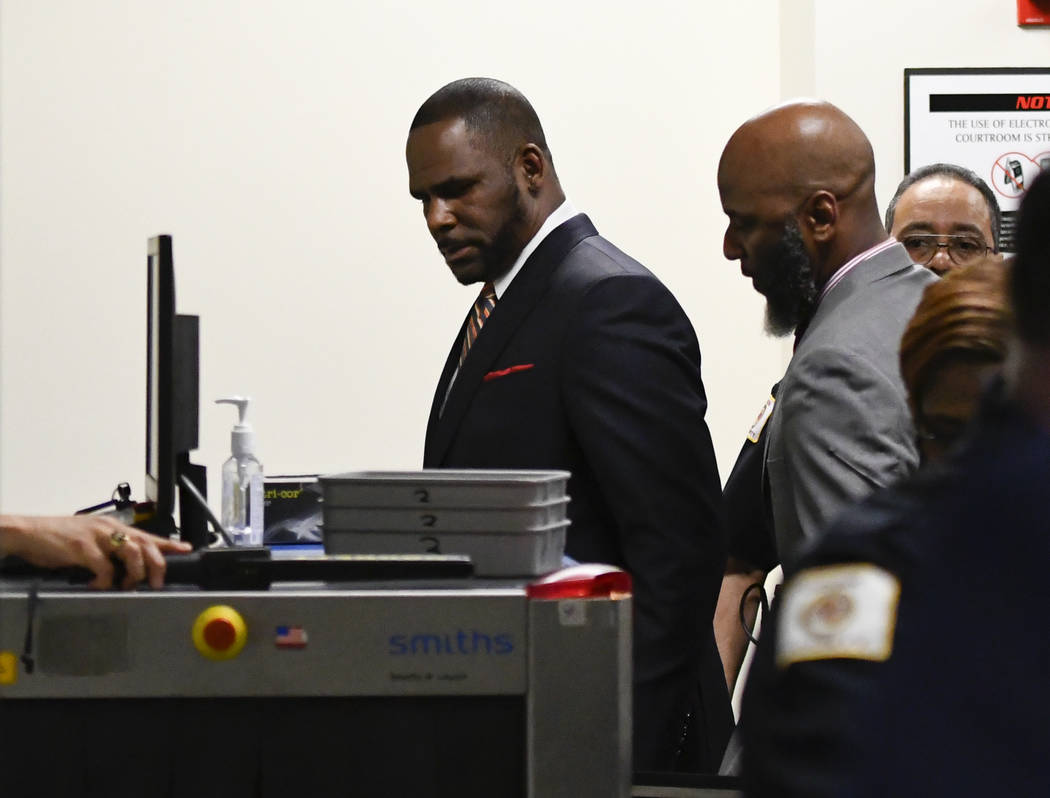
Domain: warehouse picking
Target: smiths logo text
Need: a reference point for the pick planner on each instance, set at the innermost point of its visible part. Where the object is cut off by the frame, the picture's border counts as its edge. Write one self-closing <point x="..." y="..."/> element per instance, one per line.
<point x="461" y="642"/>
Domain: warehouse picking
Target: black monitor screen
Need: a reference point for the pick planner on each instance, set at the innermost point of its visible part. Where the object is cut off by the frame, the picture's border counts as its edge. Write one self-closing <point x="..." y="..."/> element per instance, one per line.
<point x="172" y="401"/>
<point x="160" y="320"/>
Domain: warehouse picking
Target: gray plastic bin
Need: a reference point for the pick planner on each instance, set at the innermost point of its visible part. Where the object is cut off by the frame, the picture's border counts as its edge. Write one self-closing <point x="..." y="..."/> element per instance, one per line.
<point x="522" y="553"/>
<point x="460" y="519"/>
<point x="443" y="488"/>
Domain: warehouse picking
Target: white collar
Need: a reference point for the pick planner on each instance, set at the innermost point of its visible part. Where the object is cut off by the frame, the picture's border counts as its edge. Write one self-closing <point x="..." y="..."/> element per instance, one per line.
<point x="561" y="214"/>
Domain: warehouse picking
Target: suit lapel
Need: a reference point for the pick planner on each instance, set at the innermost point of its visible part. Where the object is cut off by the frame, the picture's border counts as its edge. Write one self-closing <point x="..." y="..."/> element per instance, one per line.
<point x="513" y="307"/>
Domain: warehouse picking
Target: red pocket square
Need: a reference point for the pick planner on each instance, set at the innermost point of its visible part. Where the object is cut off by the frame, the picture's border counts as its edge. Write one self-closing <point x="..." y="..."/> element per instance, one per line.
<point x="495" y="375"/>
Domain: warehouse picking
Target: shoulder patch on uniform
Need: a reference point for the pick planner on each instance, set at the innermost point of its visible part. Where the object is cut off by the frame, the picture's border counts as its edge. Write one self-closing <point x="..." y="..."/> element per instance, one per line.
<point x="838" y="612"/>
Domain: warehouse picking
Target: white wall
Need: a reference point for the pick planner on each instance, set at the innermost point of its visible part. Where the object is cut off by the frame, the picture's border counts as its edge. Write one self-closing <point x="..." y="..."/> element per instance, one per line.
<point x="861" y="50"/>
<point x="268" y="138"/>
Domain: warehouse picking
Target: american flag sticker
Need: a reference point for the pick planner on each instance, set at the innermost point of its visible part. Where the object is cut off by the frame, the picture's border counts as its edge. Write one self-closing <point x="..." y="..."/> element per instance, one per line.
<point x="290" y="637"/>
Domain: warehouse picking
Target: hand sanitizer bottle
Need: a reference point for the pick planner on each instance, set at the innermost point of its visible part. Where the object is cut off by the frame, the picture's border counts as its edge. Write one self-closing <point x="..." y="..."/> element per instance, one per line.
<point x="242" y="481"/>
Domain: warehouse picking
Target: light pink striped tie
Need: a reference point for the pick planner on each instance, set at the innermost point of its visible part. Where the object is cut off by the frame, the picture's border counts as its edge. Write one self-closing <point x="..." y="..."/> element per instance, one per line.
<point x="482" y="308"/>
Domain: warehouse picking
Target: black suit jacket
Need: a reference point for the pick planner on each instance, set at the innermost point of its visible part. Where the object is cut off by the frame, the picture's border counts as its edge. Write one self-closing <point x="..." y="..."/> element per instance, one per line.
<point x="610" y="391"/>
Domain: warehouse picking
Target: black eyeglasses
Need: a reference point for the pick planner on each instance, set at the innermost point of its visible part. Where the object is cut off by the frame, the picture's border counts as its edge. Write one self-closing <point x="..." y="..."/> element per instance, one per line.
<point x="962" y="249"/>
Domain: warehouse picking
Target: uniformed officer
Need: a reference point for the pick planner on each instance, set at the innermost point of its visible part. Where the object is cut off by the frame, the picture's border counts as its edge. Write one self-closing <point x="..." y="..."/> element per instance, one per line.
<point x="910" y="654"/>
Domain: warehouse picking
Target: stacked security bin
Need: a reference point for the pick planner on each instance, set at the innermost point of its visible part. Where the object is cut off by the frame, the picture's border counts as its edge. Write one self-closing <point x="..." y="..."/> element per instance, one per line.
<point x="511" y="523"/>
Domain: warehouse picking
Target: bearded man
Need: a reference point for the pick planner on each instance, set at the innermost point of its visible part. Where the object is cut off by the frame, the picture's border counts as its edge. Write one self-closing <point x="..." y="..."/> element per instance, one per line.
<point x="576" y="357"/>
<point x="798" y="185"/>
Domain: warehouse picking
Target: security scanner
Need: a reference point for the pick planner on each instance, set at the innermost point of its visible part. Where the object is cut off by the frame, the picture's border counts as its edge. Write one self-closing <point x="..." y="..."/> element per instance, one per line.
<point x="428" y="687"/>
<point x="449" y="654"/>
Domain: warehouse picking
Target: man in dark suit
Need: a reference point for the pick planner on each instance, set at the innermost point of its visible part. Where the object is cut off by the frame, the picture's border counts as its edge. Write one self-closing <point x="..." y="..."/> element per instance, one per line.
<point x="576" y="357"/>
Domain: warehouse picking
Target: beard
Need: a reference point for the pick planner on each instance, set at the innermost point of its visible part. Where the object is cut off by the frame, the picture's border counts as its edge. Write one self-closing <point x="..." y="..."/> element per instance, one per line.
<point x="791" y="294"/>
<point x="506" y="244"/>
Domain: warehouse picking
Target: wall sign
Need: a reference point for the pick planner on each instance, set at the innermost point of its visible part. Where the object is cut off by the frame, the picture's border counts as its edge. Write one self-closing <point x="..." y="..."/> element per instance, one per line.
<point x="993" y="121"/>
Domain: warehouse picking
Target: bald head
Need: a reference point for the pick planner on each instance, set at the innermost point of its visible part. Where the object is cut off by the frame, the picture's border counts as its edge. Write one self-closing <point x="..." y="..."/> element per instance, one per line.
<point x="802" y="164"/>
<point x="800" y="147"/>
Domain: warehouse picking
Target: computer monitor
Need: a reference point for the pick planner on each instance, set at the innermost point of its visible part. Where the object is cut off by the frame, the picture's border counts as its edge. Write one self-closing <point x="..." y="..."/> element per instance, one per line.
<point x="172" y="401"/>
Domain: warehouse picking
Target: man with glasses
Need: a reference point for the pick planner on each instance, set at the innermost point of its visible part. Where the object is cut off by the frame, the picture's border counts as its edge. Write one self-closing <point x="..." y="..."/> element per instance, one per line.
<point x="945" y="216"/>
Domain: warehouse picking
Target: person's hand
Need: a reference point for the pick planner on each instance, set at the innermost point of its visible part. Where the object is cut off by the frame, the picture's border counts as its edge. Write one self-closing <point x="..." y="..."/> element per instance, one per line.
<point x="88" y="541"/>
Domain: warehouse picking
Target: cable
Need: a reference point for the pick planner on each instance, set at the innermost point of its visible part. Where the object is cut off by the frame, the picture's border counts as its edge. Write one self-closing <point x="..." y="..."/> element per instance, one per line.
<point x="215" y="522"/>
<point x="763" y="603"/>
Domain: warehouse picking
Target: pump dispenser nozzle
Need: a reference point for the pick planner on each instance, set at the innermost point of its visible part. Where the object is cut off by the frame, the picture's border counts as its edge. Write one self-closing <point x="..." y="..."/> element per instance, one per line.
<point x="242" y="438"/>
<point x="242" y="403"/>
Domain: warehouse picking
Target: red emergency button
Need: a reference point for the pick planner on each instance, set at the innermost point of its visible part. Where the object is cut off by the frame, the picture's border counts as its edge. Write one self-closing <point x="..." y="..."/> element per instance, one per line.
<point x="220" y="632"/>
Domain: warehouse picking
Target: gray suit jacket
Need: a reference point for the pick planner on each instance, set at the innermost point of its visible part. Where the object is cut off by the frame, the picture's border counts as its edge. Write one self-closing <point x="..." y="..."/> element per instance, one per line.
<point x="842" y="427"/>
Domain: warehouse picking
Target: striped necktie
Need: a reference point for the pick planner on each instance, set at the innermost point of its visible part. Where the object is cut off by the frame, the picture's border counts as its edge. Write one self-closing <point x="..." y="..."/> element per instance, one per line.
<point x="482" y="308"/>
